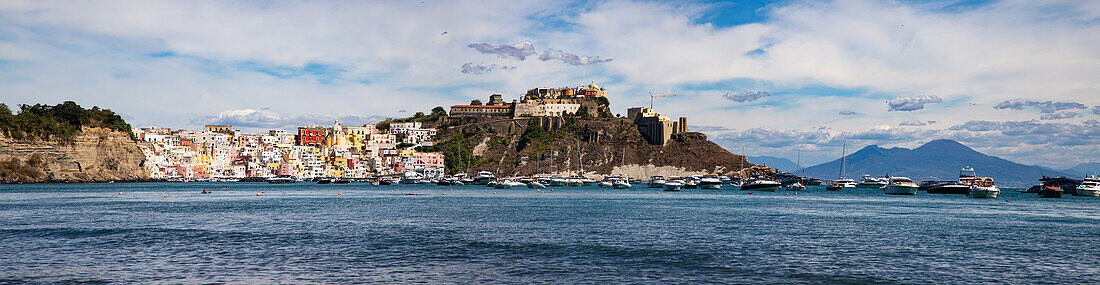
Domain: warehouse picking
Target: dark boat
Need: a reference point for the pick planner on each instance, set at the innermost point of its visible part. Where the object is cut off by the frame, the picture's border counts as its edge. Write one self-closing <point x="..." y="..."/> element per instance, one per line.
<point x="815" y="182"/>
<point x="1068" y="185"/>
<point x="252" y="179"/>
<point x="324" y="181"/>
<point x="341" y="181"/>
<point x="1050" y="192"/>
<point x="944" y="187"/>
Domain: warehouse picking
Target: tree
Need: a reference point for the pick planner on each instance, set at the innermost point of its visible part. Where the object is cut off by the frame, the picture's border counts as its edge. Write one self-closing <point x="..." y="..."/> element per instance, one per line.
<point x="418" y="115"/>
<point x="476" y="102"/>
<point x="438" y="110"/>
<point x="583" y="112"/>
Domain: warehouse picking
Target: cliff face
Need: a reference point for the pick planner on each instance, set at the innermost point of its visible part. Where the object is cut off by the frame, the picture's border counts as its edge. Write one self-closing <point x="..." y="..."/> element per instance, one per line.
<point x="605" y="145"/>
<point x="97" y="154"/>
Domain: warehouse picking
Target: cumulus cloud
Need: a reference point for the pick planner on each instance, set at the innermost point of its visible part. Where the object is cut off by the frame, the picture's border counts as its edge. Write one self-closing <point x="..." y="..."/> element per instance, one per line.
<point x="1043" y="106"/>
<point x="1096" y="110"/>
<point x="848" y="113"/>
<point x="912" y="103"/>
<point x="746" y="96"/>
<point x="916" y="123"/>
<point x="263" y="119"/>
<point x="471" y="68"/>
<point x="517" y="51"/>
<point x="1058" y="115"/>
<point x="572" y="59"/>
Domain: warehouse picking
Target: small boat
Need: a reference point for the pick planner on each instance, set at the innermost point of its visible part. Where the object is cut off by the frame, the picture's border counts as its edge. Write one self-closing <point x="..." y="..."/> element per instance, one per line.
<point x="587" y="182"/>
<point x="673" y="185"/>
<point x="558" y="181"/>
<point x="324" y="181"/>
<point x="871" y="182"/>
<point x="794" y="187"/>
<point x="620" y="184"/>
<point x="1090" y="186"/>
<point x="605" y="184"/>
<point x="710" y="183"/>
<point x="535" y="185"/>
<point x="983" y="187"/>
<point x="840" y="184"/>
<point x="574" y="182"/>
<point x="657" y="182"/>
<point x="761" y="184"/>
<point x="341" y="181"/>
<point x="900" y="186"/>
<point x="384" y="181"/>
<point x="1050" y="192"/>
<point x="411" y="178"/>
<point x="691" y="183"/>
<point x="502" y="185"/>
<point x="282" y="179"/>
<point x="484" y="177"/>
<point x="815" y="182"/>
<point x="944" y="187"/>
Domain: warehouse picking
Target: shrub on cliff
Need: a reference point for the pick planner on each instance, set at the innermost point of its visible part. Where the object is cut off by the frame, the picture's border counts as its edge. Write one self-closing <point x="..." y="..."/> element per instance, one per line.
<point x="61" y="122"/>
<point x="15" y="169"/>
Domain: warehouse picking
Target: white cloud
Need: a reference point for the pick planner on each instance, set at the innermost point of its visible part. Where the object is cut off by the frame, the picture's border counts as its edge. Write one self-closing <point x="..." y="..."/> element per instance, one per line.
<point x="1058" y="116"/>
<point x="912" y="103"/>
<point x="260" y="120"/>
<point x="572" y="59"/>
<point x="517" y="51"/>
<point x="746" y="96"/>
<point x="471" y="68"/>
<point x="1044" y="107"/>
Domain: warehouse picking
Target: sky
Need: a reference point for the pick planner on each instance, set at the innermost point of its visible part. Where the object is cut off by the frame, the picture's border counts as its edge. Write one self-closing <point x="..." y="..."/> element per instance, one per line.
<point x="1015" y="79"/>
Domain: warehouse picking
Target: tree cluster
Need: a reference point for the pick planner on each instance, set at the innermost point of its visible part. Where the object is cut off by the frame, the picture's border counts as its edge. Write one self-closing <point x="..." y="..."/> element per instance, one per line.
<point x="62" y="122"/>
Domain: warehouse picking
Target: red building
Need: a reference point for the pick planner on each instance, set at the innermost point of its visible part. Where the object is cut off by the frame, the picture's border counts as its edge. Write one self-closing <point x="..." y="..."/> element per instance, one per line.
<point x="310" y="135"/>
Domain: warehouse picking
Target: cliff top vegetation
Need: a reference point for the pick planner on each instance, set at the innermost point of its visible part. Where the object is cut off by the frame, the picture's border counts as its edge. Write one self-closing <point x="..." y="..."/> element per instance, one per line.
<point x="62" y="122"/>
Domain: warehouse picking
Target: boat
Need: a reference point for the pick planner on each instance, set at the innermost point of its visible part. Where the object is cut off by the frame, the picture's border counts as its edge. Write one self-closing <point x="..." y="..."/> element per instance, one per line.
<point x="492" y="184"/>
<point x="815" y="182"/>
<point x="573" y="182"/>
<point x="691" y="183"/>
<point x="502" y="185"/>
<point x="761" y="184"/>
<point x="411" y="178"/>
<point x="620" y="183"/>
<point x="1067" y="185"/>
<point x="384" y="181"/>
<point x="535" y="185"/>
<point x="673" y="186"/>
<point x="786" y="178"/>
<point x="605" y="184"/>
<point x="512" y="184"/>
<point x="483" y="178"/>
<point x="871" y="182"/>
<point x="282" y="179"/>
<point x="840" y="184"/>
<point x="900" y="186"/>
<point x="1050" y="192"/>
<point x="324" y="181"/>
<point x="966" y="176"/>
<point x="710" y="183"/>
<point x="341" y="181"/>
<point x="657" y="182"/>
<point x="944" y="187"/>
<point x="983" y="187"/>
<point x="587" y="182"/>
<point x="558" y="181"/>
<point x="1090" y="186"/>
<point x="794" y="187"/>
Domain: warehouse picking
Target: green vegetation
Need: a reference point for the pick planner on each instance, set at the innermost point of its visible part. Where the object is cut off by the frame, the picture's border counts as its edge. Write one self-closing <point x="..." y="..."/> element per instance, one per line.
<point x="583" y="112"/>
<point x="56" y="123"/>
<point x="476" y="102"/>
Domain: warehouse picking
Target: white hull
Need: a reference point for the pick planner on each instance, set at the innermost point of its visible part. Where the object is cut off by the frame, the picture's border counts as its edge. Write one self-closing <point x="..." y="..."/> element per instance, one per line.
<point x="900" y="190"/>
<point x="710" y="186"/>
<point x="1093" y="192"/>
<point x="673" y="186"/>
<point x="983" y="192"/>
<point x="621" y="185"/>
<point x="605" y="184"/>
<point x="657" y="184"/>
<point x="535" y="185"/>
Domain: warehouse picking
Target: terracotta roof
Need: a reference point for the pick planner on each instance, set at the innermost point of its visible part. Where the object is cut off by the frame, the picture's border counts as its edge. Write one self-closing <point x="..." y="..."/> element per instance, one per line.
<point x="482" y="106"/>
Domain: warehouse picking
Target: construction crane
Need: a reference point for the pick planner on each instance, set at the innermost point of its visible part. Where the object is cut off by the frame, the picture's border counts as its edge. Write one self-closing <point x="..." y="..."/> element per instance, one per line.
<point x="651" y="96"/>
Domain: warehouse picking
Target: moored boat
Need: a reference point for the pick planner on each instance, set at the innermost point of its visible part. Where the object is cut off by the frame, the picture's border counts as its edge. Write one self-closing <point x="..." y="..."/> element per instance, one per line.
<point x="484" y="177"/>
<point x="840" y="184"/>
<point x="1050" y="192"/>
<point x="673" y="185"/>
<point x="535" y="185"/>
<point x="900" y="186"/>
<point x="656" y="182"/>
<point x="944" y="187"/>
<point x="621" y="183"/>
<point x="282" y="179"/>
<point x="983" y="187"/>
<point x="1089" y="187"/>
<point x="872" y="182"/>
<point x="710" y="183"/>
<point x="761" y="184"/>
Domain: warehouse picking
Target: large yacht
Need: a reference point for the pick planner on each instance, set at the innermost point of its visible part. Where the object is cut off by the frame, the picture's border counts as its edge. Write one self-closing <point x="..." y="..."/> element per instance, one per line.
<point x="944" y="187"/>
<point x="1089" y="187"/>
<point x="657" y="182"/>
<point x="841" y="184"/>
<point x="871" y="182"/>
<point x="710" y="183"/>
<point x="900" y="186"/>
<point x="983" y="187"/>
<point x="484" y="177"/>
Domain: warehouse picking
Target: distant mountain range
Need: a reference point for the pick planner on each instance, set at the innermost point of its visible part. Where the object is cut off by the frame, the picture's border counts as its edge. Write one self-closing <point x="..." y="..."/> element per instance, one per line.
<point x="935" y="160"/>
<point x="779" y="163"/>
<point x="1085" y="168"/>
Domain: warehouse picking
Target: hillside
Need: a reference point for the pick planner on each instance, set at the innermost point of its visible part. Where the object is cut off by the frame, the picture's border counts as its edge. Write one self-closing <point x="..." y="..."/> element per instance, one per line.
<point x="777" y="163"/>
<point x="1084" y="168"/>
<point x="935" y="160"/>
<point x="550" y="145"/>
<point x="67" y="143"/>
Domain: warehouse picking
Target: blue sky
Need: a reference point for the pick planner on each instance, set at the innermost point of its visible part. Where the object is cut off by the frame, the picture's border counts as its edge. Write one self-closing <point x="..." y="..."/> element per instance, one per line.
<point x="880" y="72"/>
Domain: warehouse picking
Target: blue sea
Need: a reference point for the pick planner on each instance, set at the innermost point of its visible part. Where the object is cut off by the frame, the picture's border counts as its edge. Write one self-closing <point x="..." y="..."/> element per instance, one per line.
<point x="305" y="233"/>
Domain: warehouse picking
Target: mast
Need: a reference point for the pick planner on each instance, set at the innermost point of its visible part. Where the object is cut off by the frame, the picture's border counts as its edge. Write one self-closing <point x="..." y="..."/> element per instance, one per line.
<point x="580" y="164"/>
<point x="798" y="161"/>
<point x="843" y="150"/>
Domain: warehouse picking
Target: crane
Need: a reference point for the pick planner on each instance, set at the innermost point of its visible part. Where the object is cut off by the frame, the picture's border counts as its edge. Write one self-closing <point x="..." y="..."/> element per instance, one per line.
<point x="651" y="96"/>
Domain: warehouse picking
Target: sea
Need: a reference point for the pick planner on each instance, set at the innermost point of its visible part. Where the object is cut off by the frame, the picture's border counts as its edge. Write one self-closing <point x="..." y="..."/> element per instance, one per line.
<point x="258" y="233"/>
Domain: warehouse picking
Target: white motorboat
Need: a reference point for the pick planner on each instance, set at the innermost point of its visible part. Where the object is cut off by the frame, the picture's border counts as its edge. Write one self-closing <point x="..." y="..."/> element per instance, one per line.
<point x="872" y="182"/>
<point x="605" y="184"/>
<point x="657" y="182"/>
<point x="1090" y="186"/>
<point x="621" y="183"/>
<point x="761" y="184"/>
<point x="673" y="185"/>
<point x="983" y="187"/>
<point x="412" y="178"/>
<point x="900" y="186"/>
<point x="484" y="177"/>
<point x="573" y="182"/>
<point x="797" y="186"/>
<point x="535" y="185"/>
<point x="710" y="183"/>
<point x="558" y="181"/>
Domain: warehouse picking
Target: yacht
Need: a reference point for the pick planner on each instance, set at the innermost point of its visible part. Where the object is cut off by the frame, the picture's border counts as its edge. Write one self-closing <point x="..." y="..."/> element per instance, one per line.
<point x="841" y="184"/>
<point x="411" y="178"/>
<point x="608" y="181"/>
<point x="657" y="182"/>
<point x="1089" y="187"/>
<point x="621" y="183"/>
<point x="815" y="182"/>
<point x="900" y="186"/>
<point x="1050" y="191"/>
<point x="282" y="179"/>
<point x="966" y="176"/>
<point x="786" y="178"/>
<point x="484" y="177"/>
<point x="574" y="182"/>
<point x="535" y="185"/>
<point x="944" y="187"/>
<point x="761" y="184"/>
<point x="710" y="183"/>
<point x="673" y="185"/>
<point x="587" y="182"/>
<point x="871" y="182"/>
<point x="557" y="181"/>
<point x="983" y="187"/>
<point x="605" y="184"/>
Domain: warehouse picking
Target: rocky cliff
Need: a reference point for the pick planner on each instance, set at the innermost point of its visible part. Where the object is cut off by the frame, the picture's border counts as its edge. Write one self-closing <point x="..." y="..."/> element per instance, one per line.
<point x="565" y="146"/>
<point x="95" y="155"/>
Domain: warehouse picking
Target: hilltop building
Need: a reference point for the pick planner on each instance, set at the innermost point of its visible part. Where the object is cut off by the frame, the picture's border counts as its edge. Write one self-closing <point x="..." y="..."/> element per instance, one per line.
<point x="656" y="129"/>
<point x="225" y="129"/>
<point x="539" y="102"/>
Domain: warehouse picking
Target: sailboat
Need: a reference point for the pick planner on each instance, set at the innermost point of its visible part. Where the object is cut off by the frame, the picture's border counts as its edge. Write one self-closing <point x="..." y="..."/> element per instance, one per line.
<point x="842" y="182"/>
<point x="623" y="182"/>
